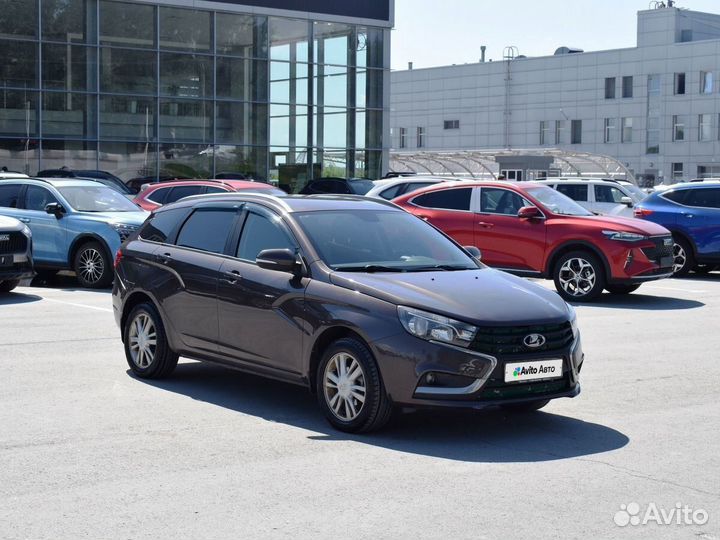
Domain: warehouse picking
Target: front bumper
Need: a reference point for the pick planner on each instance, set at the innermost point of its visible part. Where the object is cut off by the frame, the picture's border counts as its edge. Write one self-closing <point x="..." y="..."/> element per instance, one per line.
<point x="642" y="261"/>
<point x="21" y="267"/>
<point x="477" y="379"/>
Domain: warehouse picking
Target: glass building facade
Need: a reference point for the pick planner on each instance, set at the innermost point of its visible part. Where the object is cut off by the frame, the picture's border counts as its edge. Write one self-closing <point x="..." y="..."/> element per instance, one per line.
<point x="140" y="89"/>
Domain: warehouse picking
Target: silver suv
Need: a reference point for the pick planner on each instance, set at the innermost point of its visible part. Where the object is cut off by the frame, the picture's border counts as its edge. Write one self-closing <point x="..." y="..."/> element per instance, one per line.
<point x="600" y="195"/>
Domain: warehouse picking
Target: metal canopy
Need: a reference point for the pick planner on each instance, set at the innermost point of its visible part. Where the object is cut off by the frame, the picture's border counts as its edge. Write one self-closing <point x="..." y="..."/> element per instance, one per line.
<point x="482" y="163"/>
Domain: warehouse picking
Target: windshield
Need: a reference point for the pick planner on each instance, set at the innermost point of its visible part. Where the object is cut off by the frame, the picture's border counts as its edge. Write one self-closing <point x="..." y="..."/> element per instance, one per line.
<point x="96" y="199"/>
<point x="556" y="202"/>
<point x="381" y="241"/>
<point x="636" y="193"/>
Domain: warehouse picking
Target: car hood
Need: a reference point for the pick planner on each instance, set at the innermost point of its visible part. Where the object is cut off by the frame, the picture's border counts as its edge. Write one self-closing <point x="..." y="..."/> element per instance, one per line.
<point x="628" y="224"/>
<point x="10" y="224"/>
<point x="126" y="218"/>
<point x="485" y="297"/>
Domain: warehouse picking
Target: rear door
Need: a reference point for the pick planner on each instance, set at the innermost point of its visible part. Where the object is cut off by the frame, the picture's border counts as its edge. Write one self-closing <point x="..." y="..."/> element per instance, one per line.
<point x="700" y="219"/>
<point x="505" y="240"/>
<point x="260" y="311"/>
<point x="450" y="211"/>
<point x="580" y="193"/>
<point x="49" y="232"/>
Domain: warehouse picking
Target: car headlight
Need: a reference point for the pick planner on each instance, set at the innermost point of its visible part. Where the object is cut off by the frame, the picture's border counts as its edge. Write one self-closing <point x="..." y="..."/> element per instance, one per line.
<point x="26" y="231"/>
<point x="434" y="327"/>
<point x="124" y="231"/>
<point x="624" y="236"/>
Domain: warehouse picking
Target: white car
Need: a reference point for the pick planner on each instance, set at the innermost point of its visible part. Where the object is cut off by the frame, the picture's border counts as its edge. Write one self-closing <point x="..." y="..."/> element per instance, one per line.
<point x="602" y="196"/>
<point x="392" y="188"/>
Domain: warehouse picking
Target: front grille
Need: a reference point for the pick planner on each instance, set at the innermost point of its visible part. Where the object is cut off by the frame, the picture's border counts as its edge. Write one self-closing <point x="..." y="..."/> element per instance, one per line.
<point x="499" y="341"/>
<point x="659" y="250"/>
<point x="499" y="390"/>
<point x="16" y="243"/>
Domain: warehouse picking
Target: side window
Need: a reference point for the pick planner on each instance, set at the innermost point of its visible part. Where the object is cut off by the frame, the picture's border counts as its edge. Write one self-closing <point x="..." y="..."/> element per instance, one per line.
<point x="391" y="192"/>
<point x="161" y="225"/>
<point x="158" y="196"/>
<point x="413" y="186"/>
<point x="678" y="196"/>
<point x="574" y="191"/>
<point x="213" y="189"/>
<point x="9" y="194"/>
<point x="608" y="194"/>
<point x="704" y="198"/>
<point x="448" y="199"/>
<point x="37" y="198"/>
<point x="181" y="192"/>
<point x="207" y="229"/>
<point x="260" y="233"/>
<point x="500" y="201"/>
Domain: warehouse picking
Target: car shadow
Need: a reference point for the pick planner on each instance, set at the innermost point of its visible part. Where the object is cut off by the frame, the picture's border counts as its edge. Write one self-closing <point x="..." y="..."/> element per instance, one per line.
<point x="642" y="302"/>
<point x="489" y="436"/>
<point x="11" y="298"/>
<point x="63" y="281"/>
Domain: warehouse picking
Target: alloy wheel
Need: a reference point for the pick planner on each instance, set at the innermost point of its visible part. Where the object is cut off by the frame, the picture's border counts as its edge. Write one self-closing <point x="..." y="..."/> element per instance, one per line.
<point x="679" y="257"/>
<point x="577" y="277"/>
<point x="345" y="387"/>
<point x="91" y="265"/>
<point x="143" y="340"/>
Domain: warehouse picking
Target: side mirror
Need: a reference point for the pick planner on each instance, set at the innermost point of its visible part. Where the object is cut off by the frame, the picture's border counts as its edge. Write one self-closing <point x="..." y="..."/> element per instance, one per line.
<point x="474" y="252"/>
<point x="529" y="212"/>
<point x="627" y="201"/>
<point x="56" y="209"/>
<point x="281" y="260"/>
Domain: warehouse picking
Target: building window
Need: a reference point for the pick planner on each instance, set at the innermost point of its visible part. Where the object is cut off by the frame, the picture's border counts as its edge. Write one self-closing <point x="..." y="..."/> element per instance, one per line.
<point x="627" y="87"/>
<point x="653" y="85"/>
<point x="706" y="82"/>
<point x="678" y="128"/>
<point x="452" y="124"/>
<point x="420" y="137"/>
<point x="610" y="130"/>
<point x="609" y="87"/>
<point x="403" y="137"/>
<point x="679" y="84"/>
<point x="653" y="135"/>
<point x="627" y="130"/>
<point x="677" y="171"/>
<point x="544" y="133"/>
<point x="576" y="132"/>
<point x="559" y="130"/>
<point x="704" y="127"/>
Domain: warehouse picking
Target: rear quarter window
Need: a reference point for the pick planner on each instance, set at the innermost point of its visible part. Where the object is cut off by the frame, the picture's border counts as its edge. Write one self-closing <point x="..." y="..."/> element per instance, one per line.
<point x="207" y="229"/>
<point x="446" y="199"/>
<point x="677" y="196"/>
<point x="574" y="191"/>
<point x="160" y="227"/>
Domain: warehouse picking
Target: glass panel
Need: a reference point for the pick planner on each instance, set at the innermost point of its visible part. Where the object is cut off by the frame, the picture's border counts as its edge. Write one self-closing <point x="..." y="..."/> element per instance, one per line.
<point x="186" y="75"/>
<point x="288" y="82"/>
<point x="132" y="25"/>
<point x="68" y="115"/>
<point x="241" y="78"/>
<point x="331" y="127"/>
<point x="185" y="120"/>
<point x="18" y="114"/>
<point x="331" y="86"/>
<point x="186" y="160"/>
<point x="207" y="230"/>
<point x="241" y="35"/>
<point x="68" y="67"/>
<point x="369" y="88"/>
<point x="368" y="129"/>
<point x="288" y="39"/>
<point x="288" y="125"/>
<point x="250" y="161"/>
<point x="19" y="65"/>
<point x="185" y="29"/>
<point x="127" y="118"/>
<point x="368" y="164"/>
<point x="19" y="155"/>
<point x="128" y="71"/>
<point x="71" y="21"/>
<point x="19" y="18"/>
<point x="129" y="160"/>
<point x="288" y="168"/>
<point x="244" y="123"/>
<point x="70" y="154"/>
<point x="333" y="43"/>
<point x="332" y="163"/>
<point x="369" y="47"/>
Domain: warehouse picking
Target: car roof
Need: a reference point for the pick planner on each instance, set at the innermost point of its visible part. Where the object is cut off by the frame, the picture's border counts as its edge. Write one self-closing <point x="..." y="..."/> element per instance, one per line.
<point x="689" y="185"/>
<point x="235" y="184"/>
<point x="66" y="182"/>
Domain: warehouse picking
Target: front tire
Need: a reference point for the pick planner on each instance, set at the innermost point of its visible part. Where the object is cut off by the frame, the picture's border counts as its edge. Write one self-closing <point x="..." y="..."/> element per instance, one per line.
<point x="579" y="276"/>
<point x="349" y="388"/>
<point x="147" y="349"/>
<point x="92" y="266"/>
<point x="683" y="259"/>
<point x="621" y="289"/>
<point x="9" y="285"/>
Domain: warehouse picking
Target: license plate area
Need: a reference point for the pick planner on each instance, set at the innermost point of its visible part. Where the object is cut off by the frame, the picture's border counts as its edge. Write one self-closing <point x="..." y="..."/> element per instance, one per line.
<point x="533" y="370"/>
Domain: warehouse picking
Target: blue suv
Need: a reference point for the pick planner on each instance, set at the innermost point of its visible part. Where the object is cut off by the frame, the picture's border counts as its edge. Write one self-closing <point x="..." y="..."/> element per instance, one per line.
<point x="692" y="213"/>
<point x="75" y="224"/>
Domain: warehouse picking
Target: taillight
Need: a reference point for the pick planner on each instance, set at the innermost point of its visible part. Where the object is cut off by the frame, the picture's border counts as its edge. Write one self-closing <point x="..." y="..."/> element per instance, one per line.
<point x="641" y="212"/>
<point x="118" y="258"/>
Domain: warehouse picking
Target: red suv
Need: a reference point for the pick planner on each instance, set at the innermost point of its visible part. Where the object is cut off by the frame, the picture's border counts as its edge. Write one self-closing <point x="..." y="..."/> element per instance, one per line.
<point x="533" y="230"/>
<point x="155" y="195"/>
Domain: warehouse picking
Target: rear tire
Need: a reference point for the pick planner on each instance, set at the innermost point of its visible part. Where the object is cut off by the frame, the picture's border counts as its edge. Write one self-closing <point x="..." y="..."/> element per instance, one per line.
<point x="9" y="285"/>
<point x="350" y="390"/>
<point x="530" y="406"/>
<point x="704" y="269"/>
<point x="579" y="276"/>
<point x="621" y="289"/>
<point x="683" y="258"/>
<point x="93" y="266"/>
<point x="147" y="349"/>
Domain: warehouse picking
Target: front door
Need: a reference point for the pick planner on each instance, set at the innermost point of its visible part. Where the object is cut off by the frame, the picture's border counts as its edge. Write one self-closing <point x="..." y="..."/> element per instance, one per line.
<point x="505" y="240"/>
<point x="608" y="199"/>
<point x="700" y="219"/>
<point x="261" y="311"/>
<point x="49" y="232"/>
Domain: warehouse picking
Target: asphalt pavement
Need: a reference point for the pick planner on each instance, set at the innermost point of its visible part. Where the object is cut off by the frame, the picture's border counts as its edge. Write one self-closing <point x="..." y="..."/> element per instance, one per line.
<point x="89" y="451"/>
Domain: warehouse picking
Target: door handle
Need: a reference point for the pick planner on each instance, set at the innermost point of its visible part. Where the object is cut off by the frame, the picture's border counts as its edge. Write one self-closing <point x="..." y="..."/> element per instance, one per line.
<point x="165" y="258"/>
<point x="687" y="215"/>
<point x="231" y="277"/>
<point x="486" y="225"/>
<point x="25" y="219"/>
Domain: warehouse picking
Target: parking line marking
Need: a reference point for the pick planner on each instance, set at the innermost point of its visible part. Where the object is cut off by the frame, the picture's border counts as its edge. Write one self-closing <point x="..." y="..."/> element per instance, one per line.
<point x="674" y="289"/>
<point x="78" y="305"/>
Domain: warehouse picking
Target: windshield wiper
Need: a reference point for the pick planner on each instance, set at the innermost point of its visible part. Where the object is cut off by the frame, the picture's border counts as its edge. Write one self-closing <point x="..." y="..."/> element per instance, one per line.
<point x="443" y="267"/>
<point x="369" y="268"/>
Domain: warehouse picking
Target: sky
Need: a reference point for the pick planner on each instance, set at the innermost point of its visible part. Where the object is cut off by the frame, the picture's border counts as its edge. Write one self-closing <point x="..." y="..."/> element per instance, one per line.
<point x="437" y="33"/>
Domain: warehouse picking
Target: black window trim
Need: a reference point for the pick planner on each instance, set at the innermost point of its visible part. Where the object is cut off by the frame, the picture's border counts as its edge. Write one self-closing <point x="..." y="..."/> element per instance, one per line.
<point x="528" y="203"/>
<point x="257" y="209"/>
<point x="687" y="195"/>
<point x="469" y="211"/>
<point x="237" y="207"/>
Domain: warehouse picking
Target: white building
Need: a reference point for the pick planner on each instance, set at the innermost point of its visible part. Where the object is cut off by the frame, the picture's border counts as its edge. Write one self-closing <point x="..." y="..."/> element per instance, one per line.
<point x="655" y="107"/>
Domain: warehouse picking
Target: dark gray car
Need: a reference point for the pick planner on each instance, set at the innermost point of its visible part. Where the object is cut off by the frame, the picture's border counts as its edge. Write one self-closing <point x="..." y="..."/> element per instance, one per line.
<point x="366" y="305"/>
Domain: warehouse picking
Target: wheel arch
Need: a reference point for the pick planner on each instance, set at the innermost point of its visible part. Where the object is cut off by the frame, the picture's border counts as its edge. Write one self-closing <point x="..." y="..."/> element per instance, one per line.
<point x="687" y="238"/>
<point x="135" y="298"/>
<point x="83" y="239"/>
<point x="322" y="342"/>
<point x="576" y="245"/>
